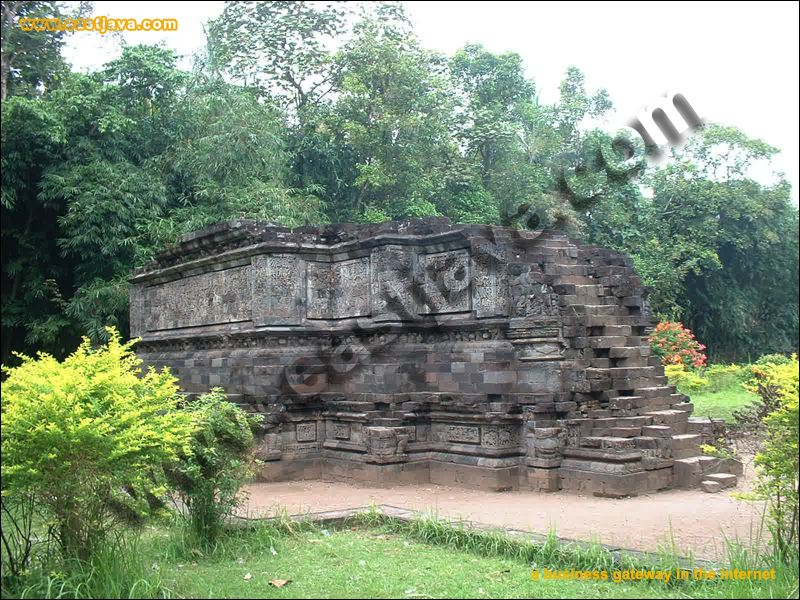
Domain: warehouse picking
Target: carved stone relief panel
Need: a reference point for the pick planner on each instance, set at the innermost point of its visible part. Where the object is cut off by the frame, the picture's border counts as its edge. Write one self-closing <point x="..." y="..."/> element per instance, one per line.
<point x="205" y="299"/>
<point x="138" y="309"/>
<point x="277" y="286"/>
<point x="320" y="290"/>
<point x="393" y="283"/>
<point x="306" y="432"/>
<point x="341" y="431"/>
<point x="352" y="283"/>
<point x="499" y="436"/>
<point x="464" y="434"/>
<point x="446" y="280"/>
<point x="490" y="291"/>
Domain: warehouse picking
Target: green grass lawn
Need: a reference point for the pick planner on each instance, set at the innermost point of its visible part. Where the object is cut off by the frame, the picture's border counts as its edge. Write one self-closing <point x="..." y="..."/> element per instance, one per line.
<point x="721" y="404"/>
<point x="368" y="564"/>
<point x="393" y="562"/>
<point x="375" y="558"/>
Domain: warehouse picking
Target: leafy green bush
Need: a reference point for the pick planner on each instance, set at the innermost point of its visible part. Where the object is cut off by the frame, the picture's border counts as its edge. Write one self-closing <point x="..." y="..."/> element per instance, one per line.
<point x="687" y="382"/>
<point x="714" y="378"/>
<point x="218" y="461"/>
<point x="721" y="377"/>
<point x="775" y="359"/>
<point x="778" y="468"/>
<point x="87" y="438"/>
<point x="768" y="380"/>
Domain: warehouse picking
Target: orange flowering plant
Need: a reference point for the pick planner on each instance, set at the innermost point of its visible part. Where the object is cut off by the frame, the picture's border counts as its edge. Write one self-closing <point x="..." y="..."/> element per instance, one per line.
<point x="676" y="345"/>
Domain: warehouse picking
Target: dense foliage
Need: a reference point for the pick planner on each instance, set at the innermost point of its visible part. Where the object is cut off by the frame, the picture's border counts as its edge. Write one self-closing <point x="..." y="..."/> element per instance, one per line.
<point x="211" y="471"/>
<point x="87" y="439"/>
<point x="327" y="112"/>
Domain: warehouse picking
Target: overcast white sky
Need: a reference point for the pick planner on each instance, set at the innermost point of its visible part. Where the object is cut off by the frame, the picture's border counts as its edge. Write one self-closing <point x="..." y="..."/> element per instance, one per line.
<point x="736" y="62"/>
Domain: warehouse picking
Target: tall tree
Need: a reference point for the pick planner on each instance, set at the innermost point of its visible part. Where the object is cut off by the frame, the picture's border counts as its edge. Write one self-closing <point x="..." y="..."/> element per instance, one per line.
<point x="392" y="118"/>
<point x="709" y="241"/>
<point x="30" y="60"/>
<point x="281" y="47"/>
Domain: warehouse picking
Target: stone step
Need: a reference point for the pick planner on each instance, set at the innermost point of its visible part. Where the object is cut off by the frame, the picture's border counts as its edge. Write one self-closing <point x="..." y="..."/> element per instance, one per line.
<point x="668" y="417"/>
<point x="571" y="300"/>
<point x="627" y="403"/>
<point x="617" y="373"/>
<point x="575" y="280"/>
<point x="731" y="465"/>
<point x="664" y="431"/>
<point x="689" y="472"/>
<point x="627" y="352"/>
<point x="625" y="330"/>
<point x="710" y="487"/>
<point x="599" y="413"/>
<point x="631" y="385"/>
<point x="710" y="428"/>
<point x="631" y="372"/>
<point x="606" y="341"/>
<point x="660" y="447"/>
<point x="655" y="392"/>
<point x="698" y="424"/>
<point x="634" y="421"/>
<point x="685" y="445"/>
<point x="676" y="419"/>
<point x="726" y="480"/>
<point x="565" y="269"/>
<point x="603" y="455"/>
<point x="607" y="270"/>
<point x="634" y="361"/>
<point x="625" y="432"/>
<point x="602" y="422"/>
<point x="604" y="309"/>
<point x="600" y="363"/>
<point x="654" y="404"/>
<point x="602" y="320"/>
<point x="583" y="426"/>
<point x="578" y="289"/>
<point x="583" y="298"/>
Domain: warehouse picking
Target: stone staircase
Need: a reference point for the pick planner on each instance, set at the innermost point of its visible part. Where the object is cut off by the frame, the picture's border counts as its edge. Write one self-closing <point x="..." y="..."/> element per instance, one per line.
<point x="632" y="432"/>
<point x="648" y="439"/>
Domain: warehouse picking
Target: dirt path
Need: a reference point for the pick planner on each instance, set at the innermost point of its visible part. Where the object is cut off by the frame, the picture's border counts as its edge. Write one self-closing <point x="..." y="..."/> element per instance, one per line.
<point x="697" y="520"/>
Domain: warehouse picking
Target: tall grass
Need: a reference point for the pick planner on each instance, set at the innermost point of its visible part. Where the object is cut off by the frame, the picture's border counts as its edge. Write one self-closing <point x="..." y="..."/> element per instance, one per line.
<point x="496" y="543"/>
<point x="119" y="568"/>
<point x="116" y="570"/>
<point x="238" y="538"/>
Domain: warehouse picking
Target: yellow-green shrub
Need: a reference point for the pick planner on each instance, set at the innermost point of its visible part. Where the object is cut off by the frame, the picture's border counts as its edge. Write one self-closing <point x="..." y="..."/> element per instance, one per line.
<point x="88" y="438"/>
<point x="777" y="482"/>
<point x="713" y="378"/>
<point x="687" y="381"/>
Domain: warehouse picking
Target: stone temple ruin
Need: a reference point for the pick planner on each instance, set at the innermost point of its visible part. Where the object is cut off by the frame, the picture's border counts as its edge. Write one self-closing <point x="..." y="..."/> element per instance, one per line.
<point x="421" y="351"/>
